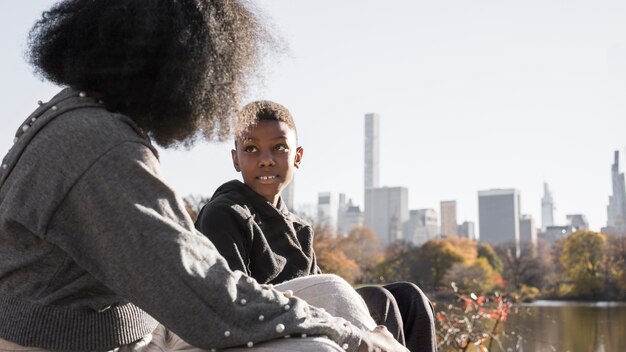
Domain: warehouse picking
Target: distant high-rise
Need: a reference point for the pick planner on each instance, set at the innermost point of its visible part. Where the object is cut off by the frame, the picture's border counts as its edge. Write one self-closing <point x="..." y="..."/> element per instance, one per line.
<point x="448" y="218"/>
<point x="327" y="210"/>
<point x="547" y="208"/>
<point x="555" y="233"/>
<point x="372" y="141"/>
<point x="577" y="221"/>
<point x="429" y="220"/>
<point x="467" y="229"/>
<point x="411" y="229"/>
<point x="499" y="216"/>
<point x="371" y="174"/>
<point x="353" y="217"/>
<point x="422" y="226"/>
<point x="528" y="231"/>
<point x="616" y="210"/>
<point x="386" y="211"/>
<point x="349" y="216"/>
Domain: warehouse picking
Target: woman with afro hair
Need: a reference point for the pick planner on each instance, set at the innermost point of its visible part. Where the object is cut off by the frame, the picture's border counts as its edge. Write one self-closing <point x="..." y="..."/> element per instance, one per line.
<point x="97" y="252"/>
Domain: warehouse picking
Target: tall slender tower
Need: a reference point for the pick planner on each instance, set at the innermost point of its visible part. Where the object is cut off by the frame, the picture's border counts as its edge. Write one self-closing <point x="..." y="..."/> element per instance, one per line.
<point x="372" y="134"/>
<point x="371" y="166"/>
<point x="616" y="210"/>
<point x="547" y="208"/>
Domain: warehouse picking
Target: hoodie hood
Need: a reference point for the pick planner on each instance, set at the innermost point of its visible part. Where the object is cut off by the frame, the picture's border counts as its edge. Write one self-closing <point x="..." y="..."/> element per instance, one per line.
<point x="238" y="192"/>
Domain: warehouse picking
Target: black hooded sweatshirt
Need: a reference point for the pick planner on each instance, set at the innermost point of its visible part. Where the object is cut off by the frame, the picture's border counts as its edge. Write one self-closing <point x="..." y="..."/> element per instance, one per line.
<point x="266" y="242"/>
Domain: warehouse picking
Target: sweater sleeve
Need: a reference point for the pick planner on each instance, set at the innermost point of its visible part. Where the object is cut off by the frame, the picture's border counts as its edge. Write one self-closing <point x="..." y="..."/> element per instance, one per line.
<point x="127" y="228"/>
<point x="226" y="230"/>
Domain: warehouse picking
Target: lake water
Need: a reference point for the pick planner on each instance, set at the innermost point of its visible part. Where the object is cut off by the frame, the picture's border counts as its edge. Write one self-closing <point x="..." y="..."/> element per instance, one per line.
<point x="556" y="326"/>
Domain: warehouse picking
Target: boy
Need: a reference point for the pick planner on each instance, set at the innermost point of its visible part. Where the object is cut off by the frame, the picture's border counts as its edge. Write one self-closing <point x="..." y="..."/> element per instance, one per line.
<point x="256" y="233"/>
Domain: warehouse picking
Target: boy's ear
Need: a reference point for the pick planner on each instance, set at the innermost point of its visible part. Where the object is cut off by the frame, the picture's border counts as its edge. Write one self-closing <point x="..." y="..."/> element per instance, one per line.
<point x="233" y="154"/>
<point x="298" y="158"/>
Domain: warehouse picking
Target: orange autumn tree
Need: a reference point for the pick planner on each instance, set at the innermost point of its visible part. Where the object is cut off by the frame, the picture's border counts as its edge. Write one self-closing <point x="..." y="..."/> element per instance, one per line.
<point x="363" y="247"/>
<point x="331" y="258"/>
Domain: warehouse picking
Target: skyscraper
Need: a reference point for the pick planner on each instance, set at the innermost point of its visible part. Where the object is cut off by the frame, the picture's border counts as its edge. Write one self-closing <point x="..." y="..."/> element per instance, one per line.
<point x="386" y="211"/>
<point x="371" y="176"/>
<point x="352" y="217"/>
<point x="547" y="208"/>
<point x="411" y="229"/>
<point x="577" y="221"/>
<point x="327" y="210"/>
<point x="528" y="231"/>
<point x="372" y="137"/>
<point x="466" y="229"/>
<point x="349" y="216"/>
<point x="616" y="210"/>
<point x="555" y="233"/>
<point x="430" y="221"/>
<point x="499" y="217"/>
<point x="422" y="226"/>
<point x="448" y="218"/>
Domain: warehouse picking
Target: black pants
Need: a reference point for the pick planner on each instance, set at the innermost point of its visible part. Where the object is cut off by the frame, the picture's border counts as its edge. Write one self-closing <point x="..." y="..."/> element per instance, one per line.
<point x="406" y="312"/>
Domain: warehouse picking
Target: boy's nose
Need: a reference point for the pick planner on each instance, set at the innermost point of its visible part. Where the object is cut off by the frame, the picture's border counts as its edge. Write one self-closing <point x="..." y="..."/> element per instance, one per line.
<point x="266" y="160"/>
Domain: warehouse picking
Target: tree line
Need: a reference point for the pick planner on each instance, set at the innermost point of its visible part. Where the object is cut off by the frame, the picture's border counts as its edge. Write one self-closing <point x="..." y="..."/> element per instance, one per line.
<point x="585" y="265"/>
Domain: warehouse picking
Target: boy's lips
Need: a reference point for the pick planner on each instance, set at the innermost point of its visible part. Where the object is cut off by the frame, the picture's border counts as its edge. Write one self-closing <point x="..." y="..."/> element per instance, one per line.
<point x="267" y="180"/>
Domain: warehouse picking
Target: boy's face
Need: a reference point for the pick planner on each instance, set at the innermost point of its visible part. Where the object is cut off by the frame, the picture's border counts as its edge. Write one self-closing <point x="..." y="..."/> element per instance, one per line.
<point x="266" y="155"/>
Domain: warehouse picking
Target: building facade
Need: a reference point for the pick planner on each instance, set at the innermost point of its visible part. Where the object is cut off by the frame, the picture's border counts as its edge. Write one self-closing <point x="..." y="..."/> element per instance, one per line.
<point x="386" y="211"/>
<point x="499" y="217"/>
<point x="411" y="228"/>
<point x="555" y="233"/>
<point x="577" y="221"/>
<point x="616" y="210"/>
<point x="349" y="216"/>
<point x="467" y="229"/>
<point x="528" y="231"/>
<point x="327" y="210"/>
<point x="448" y="218"/>
<point x="372" y="144"/>
<point x="430" y="223"/>
<point x="422" y="226"/>
<point x="547" y="208"/>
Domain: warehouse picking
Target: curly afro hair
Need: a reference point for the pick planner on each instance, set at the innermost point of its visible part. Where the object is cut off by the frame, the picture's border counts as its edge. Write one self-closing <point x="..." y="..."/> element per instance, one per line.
<point x="178" y="68"/>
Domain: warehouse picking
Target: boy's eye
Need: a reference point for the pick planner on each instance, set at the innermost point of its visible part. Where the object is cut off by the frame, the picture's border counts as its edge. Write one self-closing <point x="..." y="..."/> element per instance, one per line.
<point x="250" y="149"/>
<point x="281" y="147"/>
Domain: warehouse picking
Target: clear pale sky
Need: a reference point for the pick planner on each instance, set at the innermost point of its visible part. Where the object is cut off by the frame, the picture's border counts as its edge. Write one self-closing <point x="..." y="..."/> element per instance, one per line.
<point x="472" y="95"/>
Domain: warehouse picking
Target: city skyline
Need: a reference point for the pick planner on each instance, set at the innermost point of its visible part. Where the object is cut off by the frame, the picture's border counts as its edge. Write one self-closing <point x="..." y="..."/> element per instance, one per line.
<point x="500" y="219"/>
<point x="471" y="96"/>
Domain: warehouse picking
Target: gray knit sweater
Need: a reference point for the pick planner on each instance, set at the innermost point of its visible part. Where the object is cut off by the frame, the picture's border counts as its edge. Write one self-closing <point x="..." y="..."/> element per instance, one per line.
<point x="94" y="246"/>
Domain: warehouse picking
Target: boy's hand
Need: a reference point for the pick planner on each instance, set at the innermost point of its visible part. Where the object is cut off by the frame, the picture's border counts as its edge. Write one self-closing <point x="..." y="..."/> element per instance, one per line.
<point x="380" y="340"/>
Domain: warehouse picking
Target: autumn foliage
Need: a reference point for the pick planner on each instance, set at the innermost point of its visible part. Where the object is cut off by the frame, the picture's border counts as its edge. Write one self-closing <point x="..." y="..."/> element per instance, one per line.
<point x="353" y="257"/>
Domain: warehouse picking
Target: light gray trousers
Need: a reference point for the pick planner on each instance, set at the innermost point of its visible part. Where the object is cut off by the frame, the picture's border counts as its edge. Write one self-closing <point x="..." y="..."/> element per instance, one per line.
<point x="326" y="291"/>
